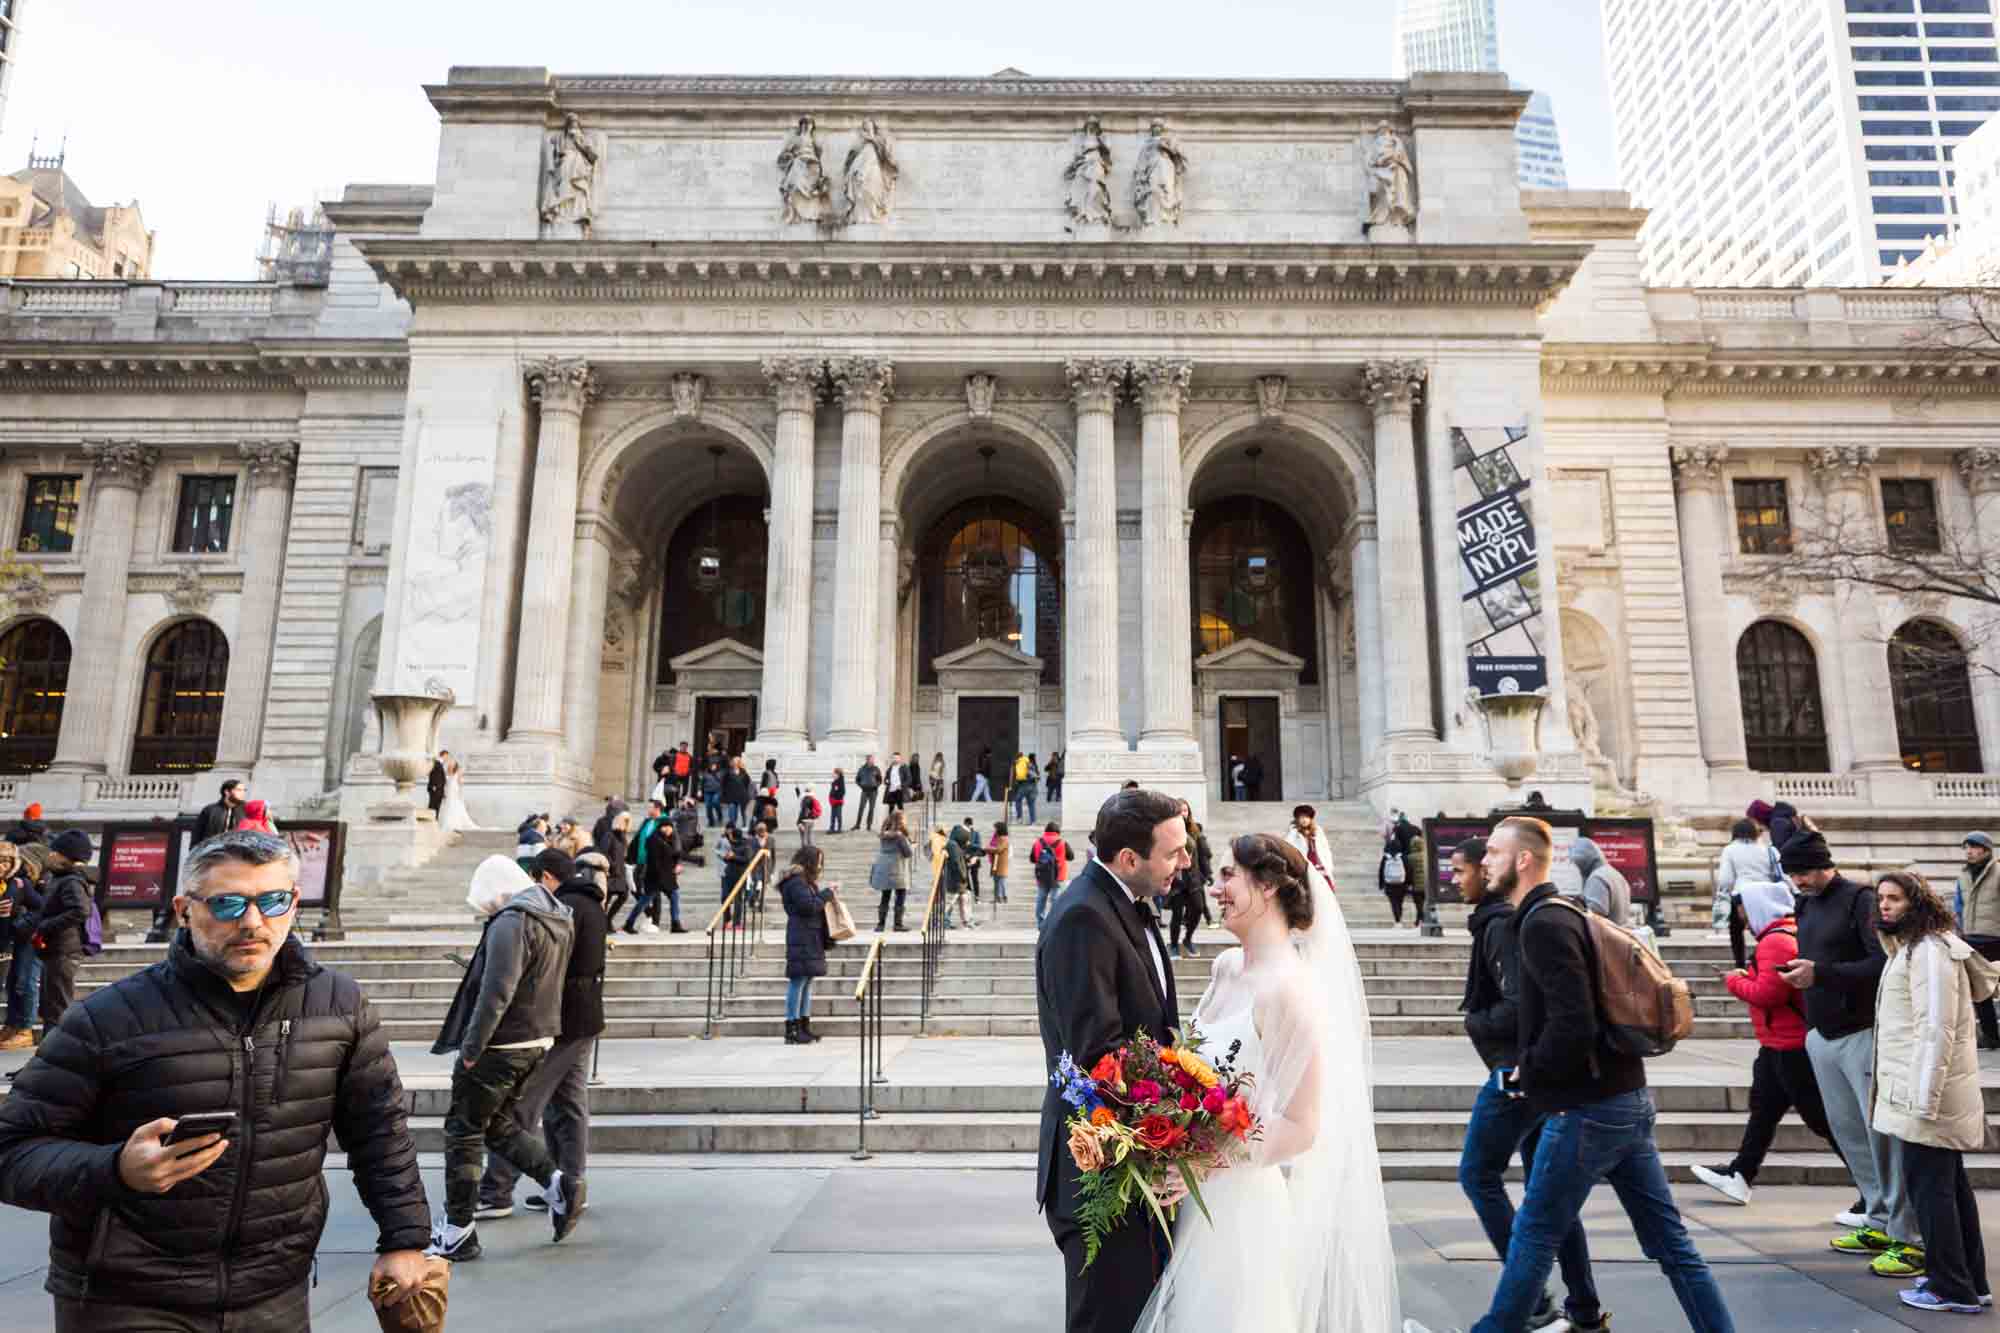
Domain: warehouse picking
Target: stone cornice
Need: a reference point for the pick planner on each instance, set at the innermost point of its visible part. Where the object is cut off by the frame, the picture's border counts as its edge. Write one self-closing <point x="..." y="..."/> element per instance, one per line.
<point x="566" y="272"/>
<point x="1702" y="370"/>
<point x="275" y="367"/>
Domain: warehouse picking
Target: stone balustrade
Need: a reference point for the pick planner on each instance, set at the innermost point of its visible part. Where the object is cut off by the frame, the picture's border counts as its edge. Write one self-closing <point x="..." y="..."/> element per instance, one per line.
<point x="1816" y="787"/>
<point x="157" y="792"/>
<point x="1965" y="787"/>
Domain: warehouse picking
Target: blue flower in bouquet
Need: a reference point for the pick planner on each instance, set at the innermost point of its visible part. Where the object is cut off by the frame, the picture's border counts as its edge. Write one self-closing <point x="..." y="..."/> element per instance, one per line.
<point x="1078" y="1088"/>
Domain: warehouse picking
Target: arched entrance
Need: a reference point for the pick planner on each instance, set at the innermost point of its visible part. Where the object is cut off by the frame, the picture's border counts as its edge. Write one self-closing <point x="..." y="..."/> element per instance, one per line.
<point x="34" y="680"/>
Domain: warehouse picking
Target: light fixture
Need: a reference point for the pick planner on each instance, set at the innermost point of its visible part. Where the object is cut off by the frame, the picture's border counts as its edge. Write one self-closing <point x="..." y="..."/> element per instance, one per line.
<point x="1256" y="567"/>
<point x="707" y="562"/>
<point x="986" y="564"/>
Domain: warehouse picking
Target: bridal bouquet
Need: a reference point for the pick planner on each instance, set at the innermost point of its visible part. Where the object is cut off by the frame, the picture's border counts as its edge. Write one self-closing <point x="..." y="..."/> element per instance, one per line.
<point x="1144" y="1113"/>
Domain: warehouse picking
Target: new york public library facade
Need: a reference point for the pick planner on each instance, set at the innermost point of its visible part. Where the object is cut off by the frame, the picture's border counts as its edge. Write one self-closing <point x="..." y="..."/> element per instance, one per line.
<point x="1144" y="421"/>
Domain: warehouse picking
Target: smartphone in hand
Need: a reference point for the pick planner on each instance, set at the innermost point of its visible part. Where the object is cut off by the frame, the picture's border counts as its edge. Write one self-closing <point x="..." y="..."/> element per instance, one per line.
<point x="200" y="1123"/>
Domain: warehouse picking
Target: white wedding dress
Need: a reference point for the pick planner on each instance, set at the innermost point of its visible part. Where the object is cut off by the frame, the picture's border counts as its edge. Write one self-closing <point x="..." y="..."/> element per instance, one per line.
<point x="453" y="817"/>
<point x="1300" y="1238"/>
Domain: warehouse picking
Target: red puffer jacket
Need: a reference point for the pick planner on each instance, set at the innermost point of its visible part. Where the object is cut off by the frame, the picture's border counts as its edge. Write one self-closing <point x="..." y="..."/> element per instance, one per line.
<point x="1775" y="1014"/>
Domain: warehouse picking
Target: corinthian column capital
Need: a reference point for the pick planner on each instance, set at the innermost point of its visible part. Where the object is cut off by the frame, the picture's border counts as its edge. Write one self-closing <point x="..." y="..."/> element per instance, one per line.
<point x="1980" y="466"/>
<point x="1094" y="385"/>
<point x="1843" y="466"/>
<point x="125" y="463"/>
<point x="1393" y="386"/>
<point x="863" y="382"/>
<point x="795" y="380"/>
<point x="272" y="462"/>
<point x="1699" y="466"/>
<point x="1161" y="385"/>
<point x="561" y="384"/>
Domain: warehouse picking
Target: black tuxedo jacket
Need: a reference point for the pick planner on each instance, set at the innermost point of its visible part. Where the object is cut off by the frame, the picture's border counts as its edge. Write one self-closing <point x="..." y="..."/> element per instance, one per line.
<point x="1095" y="985"/>
<point x="437" y="778"/>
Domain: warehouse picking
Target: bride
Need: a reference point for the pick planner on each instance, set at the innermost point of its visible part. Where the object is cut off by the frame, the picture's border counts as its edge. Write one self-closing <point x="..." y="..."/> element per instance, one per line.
<point x="453" y="817"/>
<point x="1300" y="1240"/>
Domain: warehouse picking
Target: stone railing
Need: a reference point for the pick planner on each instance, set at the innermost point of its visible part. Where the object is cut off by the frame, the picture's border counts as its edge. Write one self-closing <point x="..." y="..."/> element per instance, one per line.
<point x="10" y="790"/>
<point x="1816" y="787"/>
<point x="1985" y="790"/>
<point x="71" y="298"/>
<point x="1893" y="307"/>
<point x="231" y="298"/>
<point x="151" y="791"/>
<point x="1745" y="305"/>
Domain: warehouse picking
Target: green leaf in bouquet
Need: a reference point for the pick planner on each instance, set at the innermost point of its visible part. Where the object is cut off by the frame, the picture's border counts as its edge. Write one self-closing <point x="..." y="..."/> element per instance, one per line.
<point x="1159" y="1215"/>
<point x="1194" y="1190"/>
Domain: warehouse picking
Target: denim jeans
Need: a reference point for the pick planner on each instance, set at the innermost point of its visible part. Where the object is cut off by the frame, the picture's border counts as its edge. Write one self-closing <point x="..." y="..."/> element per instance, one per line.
<point x="1024" y="803"/>
<point x="1501" y="1126"/>
<point x="732" y="813"/>
<point x="981" y="789"/>
<point x="999" y="888"/>
<point x="1610" y="1140"/>
<point x="798" y="998"/>
<point x="24" y="987"/>
<point x="712" y="806"/>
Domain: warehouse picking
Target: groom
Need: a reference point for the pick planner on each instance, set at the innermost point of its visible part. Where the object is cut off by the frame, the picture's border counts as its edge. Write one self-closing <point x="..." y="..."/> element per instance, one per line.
<point x="1101" y="973"/>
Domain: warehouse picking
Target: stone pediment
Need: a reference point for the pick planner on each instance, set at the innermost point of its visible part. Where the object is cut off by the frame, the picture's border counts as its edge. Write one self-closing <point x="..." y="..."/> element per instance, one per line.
<point x="987" y="655"/>
<point x="722" y="655"/>
<point x="1250" y="655"/>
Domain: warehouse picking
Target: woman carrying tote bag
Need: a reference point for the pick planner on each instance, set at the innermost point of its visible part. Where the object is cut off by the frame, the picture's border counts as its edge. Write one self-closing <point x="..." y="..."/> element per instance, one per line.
<point x="807" y="939"/>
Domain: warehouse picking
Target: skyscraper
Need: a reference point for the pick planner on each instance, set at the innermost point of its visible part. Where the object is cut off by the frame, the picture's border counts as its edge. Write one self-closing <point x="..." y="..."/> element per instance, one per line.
<point x="1464" y="36"/>
<point x="1807" y="143"/>
<point x="10" y="36"/>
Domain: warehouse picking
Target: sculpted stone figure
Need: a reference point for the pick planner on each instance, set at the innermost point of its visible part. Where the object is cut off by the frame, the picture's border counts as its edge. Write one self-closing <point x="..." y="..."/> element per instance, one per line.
<point x="802" y="183"/>
<point x="1392" y="189"/>
<point x="569" y="178"/>
<point x="1087" y="178"/>
<point x="870" y="175"/>
<point x="1160" y="179"/>
<point x="1583" y="725"/>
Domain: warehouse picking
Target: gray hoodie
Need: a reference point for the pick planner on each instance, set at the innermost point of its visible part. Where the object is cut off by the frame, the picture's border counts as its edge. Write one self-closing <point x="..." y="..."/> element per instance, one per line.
<point x="512" y="992"/>
<point x="1605" y="890"/>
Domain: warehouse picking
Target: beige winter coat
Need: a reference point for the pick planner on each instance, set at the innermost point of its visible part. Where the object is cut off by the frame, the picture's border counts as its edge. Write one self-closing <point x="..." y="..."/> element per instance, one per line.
<point x="1982" y="898"/>
<point x="1926" y="1052"/>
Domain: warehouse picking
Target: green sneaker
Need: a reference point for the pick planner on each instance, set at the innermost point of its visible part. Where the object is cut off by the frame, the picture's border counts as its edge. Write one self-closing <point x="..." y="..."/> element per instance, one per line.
<point x="1899" y="1261"/>
<point x="1862" y="1240"/>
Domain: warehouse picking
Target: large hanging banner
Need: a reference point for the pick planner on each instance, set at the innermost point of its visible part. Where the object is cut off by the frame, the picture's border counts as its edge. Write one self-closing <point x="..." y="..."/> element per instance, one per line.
<point x="1500" y="581"/>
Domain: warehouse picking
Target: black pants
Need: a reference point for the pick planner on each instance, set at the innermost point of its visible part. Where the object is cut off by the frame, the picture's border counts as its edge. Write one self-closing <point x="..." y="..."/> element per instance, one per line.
<point x="864" y="810"/>
<point x="483" y="1100"/>
<point x="1948" y="1215"/>
<point x="1780" y="1081"/>
<point x="1989" y="1017"/>
<point x="882" y="912"/>
<point x="58" y="986"/>
<point x="1397" y="892"/>
<point x="1187" y="915"/>
<point x="1111" y="1294"/>
<point x="287" y="1312"/>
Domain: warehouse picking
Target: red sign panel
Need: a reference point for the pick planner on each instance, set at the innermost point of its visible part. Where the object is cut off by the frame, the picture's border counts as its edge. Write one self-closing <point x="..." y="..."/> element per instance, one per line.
<point x="136" y="875"/>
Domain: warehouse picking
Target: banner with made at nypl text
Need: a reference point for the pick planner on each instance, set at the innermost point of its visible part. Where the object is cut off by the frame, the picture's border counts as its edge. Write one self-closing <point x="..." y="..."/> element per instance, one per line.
<point x="1500" y="582"/>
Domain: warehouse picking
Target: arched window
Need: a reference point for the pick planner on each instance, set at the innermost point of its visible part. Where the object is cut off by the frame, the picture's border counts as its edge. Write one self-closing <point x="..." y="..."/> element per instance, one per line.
<point x="1252" y="580"/>
<point x="1783" y="723"/>
<point x="180" y="713"/>
<point x="989" y="572"/>
<point x="34" y="677"/>
<point x="692" y="616"/>
<point x="1932" y="688"/>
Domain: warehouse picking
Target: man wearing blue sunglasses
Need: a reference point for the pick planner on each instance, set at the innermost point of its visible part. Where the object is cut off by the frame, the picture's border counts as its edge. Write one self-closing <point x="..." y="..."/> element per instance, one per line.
<point x="240" y="1026"/>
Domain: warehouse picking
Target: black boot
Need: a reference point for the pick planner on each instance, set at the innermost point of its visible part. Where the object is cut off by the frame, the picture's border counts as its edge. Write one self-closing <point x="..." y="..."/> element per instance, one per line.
<point x="792" y="1037"/>
<point x="806" y="1034"/>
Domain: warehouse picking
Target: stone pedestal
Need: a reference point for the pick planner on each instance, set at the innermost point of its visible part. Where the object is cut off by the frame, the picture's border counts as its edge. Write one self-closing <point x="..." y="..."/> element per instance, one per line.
<point x="781" y="722"/>
<point x="272" y="465"/>
<point x="563" y="388"/>
<point x="119" y="472"/>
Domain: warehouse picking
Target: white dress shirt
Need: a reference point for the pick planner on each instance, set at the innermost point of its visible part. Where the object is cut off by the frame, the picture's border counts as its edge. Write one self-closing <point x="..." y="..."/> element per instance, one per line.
<point x="1152" y="939"/>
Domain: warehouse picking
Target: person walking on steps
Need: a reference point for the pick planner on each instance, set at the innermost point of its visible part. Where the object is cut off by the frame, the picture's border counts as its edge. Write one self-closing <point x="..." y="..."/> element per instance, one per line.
<point x="660" y="867"/>
<point x="957" y="872"/>
<point x="868" y="783"/>
<point x="836" y="801"/>
<point x="890" y="874"/>
<point x="736" y="792"/>
<point x="807" y="939"/>
<point x="1051" y="857"/>
<point x="1503" y="1126"/>
<point x="1782" y="1079"/>
<point x="1928" y="1101"/>
<point x="1979" y="921"/>
<point x="1190" y="888"/>
<point x="1398" y="875"/>
<point x="999" y="859"/>
<point x="809" y="812"/>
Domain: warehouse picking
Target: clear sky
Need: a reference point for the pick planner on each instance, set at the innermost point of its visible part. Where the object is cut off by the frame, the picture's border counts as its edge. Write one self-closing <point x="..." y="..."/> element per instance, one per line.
<point x="209" y="111"/>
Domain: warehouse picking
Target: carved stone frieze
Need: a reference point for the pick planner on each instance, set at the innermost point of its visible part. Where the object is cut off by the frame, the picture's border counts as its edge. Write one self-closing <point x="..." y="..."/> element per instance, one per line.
<point x="561" y="384"/>
<point x="124" y="463"/>
<point x="1699" y="466"/>
<point x="24" y="590"/>
<point x="1271" y="391"/>
<point x="190" y="594"/>
<point x="980" y="389"/>
<point x="1980" y="466"/>
<point x="1393" y="386"/>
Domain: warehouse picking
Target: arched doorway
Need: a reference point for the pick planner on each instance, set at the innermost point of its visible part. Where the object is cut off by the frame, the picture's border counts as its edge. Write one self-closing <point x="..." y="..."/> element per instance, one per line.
<point x="1597" y="712"/>
<point x="360" y="711"/>
<point x="712" y="584"/>
<point x="180" y="704"/>
<point x="1784" y="725"/>
<point x="34" y="680"/>
<point x="1931" y="684"/>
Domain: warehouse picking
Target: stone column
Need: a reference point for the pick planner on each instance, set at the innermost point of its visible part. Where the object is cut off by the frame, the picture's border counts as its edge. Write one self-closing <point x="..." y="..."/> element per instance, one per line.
<point x="119" y="472"/>
<point x="1844" y="473"/>
<point x="1167" y="711"/>
<point x="1705" y="540"/>
<point x="563" y="387"/>
<point x="1980" y="467"/>
<point x="1391" y="389"/>
<point x="583" y="660"/>
<point x="855" y="721"/>
<point x="1090" y="675"/>
<point x="888" y="636"/>
<point x="262" y="547"/>
<point x="781" y="722"/>
<point x="1366" y="565"/>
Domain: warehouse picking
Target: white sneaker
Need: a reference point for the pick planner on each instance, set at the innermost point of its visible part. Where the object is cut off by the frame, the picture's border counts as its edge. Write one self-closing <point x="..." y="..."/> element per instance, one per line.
<point x="1726" y="1183"/>
<point x="1412" y="1326"/>
<point x="1852" y="1217"/>
<point x="648" y="928"/>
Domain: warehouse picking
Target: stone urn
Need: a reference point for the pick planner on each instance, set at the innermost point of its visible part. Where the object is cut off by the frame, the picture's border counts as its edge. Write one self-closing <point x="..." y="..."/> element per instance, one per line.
<point x="1513" y="731"/>
<point x="409" y="725"/>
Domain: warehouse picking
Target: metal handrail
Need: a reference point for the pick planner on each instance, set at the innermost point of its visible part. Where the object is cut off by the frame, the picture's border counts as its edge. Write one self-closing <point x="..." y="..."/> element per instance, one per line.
<point x="936" y="917"/>
<point x="730" y="958"/>
<point x="868" y="1008"/>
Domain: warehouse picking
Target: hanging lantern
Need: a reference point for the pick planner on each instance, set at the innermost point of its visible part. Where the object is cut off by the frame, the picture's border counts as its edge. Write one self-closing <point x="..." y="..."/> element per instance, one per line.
<point x="706" y="563"/>
<point x="985" y="565"/>
<point x="1257" y="564"/>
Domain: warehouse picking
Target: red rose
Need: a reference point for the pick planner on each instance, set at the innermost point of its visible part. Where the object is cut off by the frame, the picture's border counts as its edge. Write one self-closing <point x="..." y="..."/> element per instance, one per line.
<point x="1190" y="1102"/>
<point x="1109" y="1070"/>
<point x="1158" y="1133"/>
<point x="1213" y="1101"/>
<point x="1185" y="1081"/>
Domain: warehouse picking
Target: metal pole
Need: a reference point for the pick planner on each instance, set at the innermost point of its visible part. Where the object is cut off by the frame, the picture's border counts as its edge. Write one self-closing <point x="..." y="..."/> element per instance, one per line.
<point x="596" y="1045"/>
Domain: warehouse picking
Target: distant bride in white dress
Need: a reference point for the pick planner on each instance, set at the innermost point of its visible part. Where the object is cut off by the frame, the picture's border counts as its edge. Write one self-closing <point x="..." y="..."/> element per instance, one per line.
<point x="1300" y="1239"/>
<point x="453" y="817"/>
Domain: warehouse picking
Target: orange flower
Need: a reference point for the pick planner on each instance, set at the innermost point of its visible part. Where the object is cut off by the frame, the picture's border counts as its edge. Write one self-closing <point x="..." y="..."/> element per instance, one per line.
<point x="1199" y="1067"/>
<point x="1235" y="1117"/>
<point x="1085" y="1150"/>
<point x="1169" y="1056"/>
<point x="1102" y="1116"/>
<point x="1109" y="1070"/>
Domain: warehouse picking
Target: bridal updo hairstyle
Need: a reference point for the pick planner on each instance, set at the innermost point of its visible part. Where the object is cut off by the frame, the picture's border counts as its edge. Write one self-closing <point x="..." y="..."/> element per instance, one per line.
<point x="1278" y="865"/>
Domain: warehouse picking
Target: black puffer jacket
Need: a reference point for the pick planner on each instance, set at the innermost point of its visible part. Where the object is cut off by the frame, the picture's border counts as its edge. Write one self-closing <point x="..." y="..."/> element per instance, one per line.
<point x="583" y="978"/>
<point x="169" y="1041"/>
<point x="1492" y="1001"/>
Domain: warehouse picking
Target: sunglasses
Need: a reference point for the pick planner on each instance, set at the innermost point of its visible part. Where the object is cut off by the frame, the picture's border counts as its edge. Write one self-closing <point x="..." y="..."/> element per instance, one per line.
<point x="232" y="906"/>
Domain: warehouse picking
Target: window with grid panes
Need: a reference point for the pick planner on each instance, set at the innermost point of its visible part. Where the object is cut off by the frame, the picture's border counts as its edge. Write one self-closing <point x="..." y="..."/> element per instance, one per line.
<point x="201" y="526"/>
<point x="1909" y="508"/>
<point x="48" y="519"/>
<point x="1763" y="518"/>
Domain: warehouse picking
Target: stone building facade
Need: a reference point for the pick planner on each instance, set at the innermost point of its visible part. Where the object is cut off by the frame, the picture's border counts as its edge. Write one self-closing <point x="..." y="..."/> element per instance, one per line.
<point x="1135" y="420"/>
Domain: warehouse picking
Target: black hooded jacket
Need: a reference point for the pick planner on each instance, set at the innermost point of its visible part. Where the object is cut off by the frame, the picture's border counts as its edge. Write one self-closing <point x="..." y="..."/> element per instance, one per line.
<point x="1837" y="935"/>
<point x="169" y="1041"/>
<point x="1493" y="984"/>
